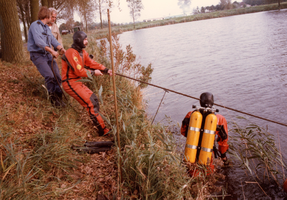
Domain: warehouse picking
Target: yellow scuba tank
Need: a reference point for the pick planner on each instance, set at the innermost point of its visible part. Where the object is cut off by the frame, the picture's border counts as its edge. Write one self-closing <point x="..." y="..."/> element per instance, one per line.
<point x="193" y="136"/>
<point x="207" y="141"/>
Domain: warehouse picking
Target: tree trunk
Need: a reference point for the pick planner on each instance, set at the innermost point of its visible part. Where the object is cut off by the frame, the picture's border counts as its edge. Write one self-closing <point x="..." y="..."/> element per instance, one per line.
<point x="85" y="17"/>
<point x="50" y="3"/>
<point x="134" y="19"/>
<point x="11" y="39"/>
<point x="23" y="21"/>
<point x="25" y="32"/>
<point x="34" y="6"/>
<point x="28" y="16"/>
<point x="279" y="6"/>
<point x="100" y="11"/>
<point x="44" y="2"/>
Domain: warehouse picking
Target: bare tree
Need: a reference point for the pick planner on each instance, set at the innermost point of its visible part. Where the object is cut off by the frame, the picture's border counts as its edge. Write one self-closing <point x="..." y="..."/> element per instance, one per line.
<point x="184" y="5"/>
<point x="135" y="9"/>
<point x="86" y="8"/>
<point x="225" y="4"/>
<point x="51" y="3"/>
<point x="61" y="4"/>
<point x="24" y="15"/>
<point x="66" y="9"/>
<point x="11" y="39"/>
<point x="70" y="23"/>
<point x="196" y="11"/>
<point x="102" y="6"/>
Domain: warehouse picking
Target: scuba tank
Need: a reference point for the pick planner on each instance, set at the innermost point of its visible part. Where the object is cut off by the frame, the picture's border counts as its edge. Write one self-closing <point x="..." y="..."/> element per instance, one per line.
<point x="208" y="137"/>
<point x="201" y="135"/>
<point x="193" y="136"/>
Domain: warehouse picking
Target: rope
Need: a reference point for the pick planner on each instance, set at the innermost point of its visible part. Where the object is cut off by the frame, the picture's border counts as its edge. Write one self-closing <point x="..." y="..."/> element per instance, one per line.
<point x="57" y="78"/>
<point x="245" y="113"/>
<point x="159" y="106"/>
<point x="60" y="85"/>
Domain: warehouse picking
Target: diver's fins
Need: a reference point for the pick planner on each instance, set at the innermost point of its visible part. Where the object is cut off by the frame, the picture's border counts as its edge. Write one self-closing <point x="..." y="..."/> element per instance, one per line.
<point x="93" y="147"/>
<point x="99" y="144"/>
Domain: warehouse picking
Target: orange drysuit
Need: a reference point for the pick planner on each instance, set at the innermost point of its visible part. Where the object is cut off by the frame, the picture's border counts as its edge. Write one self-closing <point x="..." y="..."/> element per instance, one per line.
<point x="73" y="68"/>
<point x="221" y="132"/>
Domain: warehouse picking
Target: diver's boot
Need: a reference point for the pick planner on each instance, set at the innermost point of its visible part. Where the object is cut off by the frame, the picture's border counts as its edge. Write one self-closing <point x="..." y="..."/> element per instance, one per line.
<point x="99" y="123"/>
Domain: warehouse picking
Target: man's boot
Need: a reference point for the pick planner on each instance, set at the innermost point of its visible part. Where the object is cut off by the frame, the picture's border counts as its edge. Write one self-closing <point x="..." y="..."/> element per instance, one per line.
<point x="55" y="100"/>
<point x="60" y="99"/>
<point x="99" y="123"/>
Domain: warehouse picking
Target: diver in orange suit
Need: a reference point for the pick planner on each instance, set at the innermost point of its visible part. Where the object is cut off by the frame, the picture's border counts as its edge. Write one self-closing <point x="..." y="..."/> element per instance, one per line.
<point x="76" y="63"/>
<point x="206" y="101"/>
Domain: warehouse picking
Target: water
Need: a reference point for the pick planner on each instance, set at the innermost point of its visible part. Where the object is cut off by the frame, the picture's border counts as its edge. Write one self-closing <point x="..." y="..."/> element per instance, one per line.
<point x="241" y="59"/>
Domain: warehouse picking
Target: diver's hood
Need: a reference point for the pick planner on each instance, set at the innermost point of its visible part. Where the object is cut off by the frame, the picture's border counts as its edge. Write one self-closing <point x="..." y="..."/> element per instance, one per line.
<point x="78" y="39"/>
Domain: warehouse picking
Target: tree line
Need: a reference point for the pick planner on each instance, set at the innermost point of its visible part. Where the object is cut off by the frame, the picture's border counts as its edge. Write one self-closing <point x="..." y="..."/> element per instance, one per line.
<point x="227" y="4"/>
<point x="261" y="2"/>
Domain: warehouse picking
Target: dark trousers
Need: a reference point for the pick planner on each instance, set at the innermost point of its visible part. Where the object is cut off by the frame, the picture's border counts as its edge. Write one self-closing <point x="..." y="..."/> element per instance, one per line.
<point x="43" y="62"/>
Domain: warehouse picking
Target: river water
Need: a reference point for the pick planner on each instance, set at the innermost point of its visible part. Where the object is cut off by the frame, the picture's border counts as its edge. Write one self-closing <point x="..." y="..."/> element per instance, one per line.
<point x="241" y="59"/>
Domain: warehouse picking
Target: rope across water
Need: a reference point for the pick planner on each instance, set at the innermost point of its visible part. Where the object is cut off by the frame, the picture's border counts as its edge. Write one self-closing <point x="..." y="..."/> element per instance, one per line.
<point x="245" y="113"/>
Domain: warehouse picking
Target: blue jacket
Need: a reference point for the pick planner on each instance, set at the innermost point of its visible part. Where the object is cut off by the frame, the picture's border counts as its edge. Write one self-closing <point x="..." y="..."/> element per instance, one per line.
<point x="39" y="37"/>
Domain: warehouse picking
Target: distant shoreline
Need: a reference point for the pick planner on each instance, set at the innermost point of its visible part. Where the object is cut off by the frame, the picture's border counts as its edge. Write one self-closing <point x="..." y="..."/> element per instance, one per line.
<point x="116" y="28"/>
<point x="201" y="16"/>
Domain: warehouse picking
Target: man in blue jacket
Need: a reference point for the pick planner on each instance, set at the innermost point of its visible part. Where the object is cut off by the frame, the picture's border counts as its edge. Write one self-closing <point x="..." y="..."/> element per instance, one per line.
<point x="40" y="45"/>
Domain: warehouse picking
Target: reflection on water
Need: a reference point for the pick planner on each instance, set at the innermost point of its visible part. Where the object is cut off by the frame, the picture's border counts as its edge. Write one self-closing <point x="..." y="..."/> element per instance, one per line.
<point x="241" y="59"/>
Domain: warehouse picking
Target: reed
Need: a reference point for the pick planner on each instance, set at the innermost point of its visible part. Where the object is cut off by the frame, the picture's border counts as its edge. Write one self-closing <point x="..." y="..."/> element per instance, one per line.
<point x="258" y="153"/>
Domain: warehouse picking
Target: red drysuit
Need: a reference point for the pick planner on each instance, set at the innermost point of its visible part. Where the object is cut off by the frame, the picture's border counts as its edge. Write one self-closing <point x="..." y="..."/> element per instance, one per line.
<point x="72" y="70"/>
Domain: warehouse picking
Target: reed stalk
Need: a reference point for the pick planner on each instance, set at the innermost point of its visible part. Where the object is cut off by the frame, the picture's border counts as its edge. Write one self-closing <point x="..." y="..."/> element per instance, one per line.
<point x="261" y="150"/>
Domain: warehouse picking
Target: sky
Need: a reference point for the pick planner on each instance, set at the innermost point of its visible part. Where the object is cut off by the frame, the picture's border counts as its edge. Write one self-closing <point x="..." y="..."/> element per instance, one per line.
<point x="153" y="9"/>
